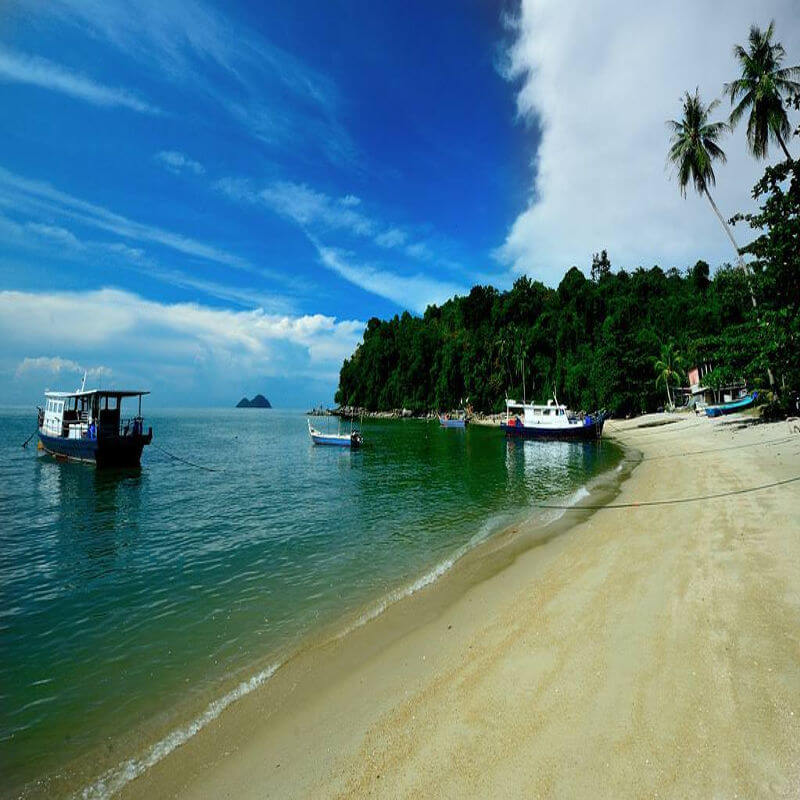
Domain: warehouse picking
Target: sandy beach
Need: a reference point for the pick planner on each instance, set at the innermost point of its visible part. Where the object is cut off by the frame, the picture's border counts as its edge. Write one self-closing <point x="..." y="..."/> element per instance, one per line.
<point x="633" y="651"/>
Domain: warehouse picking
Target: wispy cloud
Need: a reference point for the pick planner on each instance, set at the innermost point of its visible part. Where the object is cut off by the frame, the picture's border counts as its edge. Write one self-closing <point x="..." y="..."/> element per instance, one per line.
<point x="177" y="162"/>
<point x="277" y="98"/>
<point x="35" y="71"/>
<point x="18" y="192"/>
<point x="416" y="292"/>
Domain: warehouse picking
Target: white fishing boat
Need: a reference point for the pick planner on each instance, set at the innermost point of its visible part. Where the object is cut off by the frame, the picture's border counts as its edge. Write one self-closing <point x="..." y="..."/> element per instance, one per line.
<point x="550" y="421"/>
<point x="352" y="439"/>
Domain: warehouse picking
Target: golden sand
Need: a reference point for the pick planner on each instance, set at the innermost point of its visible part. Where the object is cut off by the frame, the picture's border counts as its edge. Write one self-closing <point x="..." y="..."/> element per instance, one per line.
<point x="649" y="651"/>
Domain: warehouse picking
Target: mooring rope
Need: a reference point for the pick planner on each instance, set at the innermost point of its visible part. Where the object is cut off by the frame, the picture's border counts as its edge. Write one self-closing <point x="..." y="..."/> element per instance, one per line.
<point x="25" y="443"/>
<point x="675" y="501"/>
<point x="184" y="461"/>
<point x="782" y="440"/>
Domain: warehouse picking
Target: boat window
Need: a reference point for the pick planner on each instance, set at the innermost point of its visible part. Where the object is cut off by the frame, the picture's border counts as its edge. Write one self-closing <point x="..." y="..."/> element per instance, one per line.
<point x="546" y="412"/>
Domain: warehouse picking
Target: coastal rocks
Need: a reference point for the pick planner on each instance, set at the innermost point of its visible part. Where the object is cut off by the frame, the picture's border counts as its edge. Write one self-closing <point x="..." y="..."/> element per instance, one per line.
<point x="259" y="401"/>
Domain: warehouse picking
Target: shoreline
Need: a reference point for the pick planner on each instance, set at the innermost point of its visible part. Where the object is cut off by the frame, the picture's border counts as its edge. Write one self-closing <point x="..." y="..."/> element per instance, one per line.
<point x="318" y="710"/>
<point x="474" y="683"/>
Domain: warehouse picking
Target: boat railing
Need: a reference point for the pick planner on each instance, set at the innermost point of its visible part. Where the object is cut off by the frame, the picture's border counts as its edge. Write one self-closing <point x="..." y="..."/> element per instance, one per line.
<point x="131" y="426"/>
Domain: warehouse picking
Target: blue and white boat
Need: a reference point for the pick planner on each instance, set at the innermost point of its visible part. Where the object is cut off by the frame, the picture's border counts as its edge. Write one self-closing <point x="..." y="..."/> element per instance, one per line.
<point x="352" y="439"/>
<point x="730" y="408"/>
<point x="87" y="425"/>
<point x="551" y="421"/>
<point x="457" y="420"/>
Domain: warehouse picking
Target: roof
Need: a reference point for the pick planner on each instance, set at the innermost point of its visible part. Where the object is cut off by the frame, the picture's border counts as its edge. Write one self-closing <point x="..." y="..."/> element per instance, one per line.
<point x="120" y="393"/>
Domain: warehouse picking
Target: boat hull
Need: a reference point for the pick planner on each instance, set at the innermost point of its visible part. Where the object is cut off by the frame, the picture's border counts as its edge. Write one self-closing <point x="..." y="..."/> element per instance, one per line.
<point x="732" y="408"/>
<point x="114" y="453"/>
<point x="452" y="423"/>
<point x="573" y="433"/>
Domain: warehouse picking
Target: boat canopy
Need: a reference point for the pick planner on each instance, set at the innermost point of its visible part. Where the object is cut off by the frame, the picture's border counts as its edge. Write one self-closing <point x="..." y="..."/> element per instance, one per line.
<point x="119" y="394"/>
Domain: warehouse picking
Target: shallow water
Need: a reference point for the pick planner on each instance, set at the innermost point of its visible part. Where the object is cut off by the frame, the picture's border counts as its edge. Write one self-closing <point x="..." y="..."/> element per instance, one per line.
<point x="124" y="594"/>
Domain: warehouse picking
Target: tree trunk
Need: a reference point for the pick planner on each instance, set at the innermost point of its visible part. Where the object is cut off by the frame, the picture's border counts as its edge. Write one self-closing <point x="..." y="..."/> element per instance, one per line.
<point x="740" y="263"/>
<point x="669" y="396"/>
<point x="783" y="145"/>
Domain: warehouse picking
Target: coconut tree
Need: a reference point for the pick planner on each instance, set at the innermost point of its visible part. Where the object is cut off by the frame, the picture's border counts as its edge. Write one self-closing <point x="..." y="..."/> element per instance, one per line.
<point x="761" y="88"/>
<point x="693" y="149"/>
<point x="669" y="368"/>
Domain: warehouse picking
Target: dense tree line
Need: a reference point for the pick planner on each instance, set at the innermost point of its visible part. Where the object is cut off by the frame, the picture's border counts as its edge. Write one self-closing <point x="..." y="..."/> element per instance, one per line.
<point x="616" y="340"/>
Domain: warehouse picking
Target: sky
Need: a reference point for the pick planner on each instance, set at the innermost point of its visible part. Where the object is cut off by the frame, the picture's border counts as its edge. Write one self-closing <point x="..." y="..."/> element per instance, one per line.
<point x="210" y="200"/>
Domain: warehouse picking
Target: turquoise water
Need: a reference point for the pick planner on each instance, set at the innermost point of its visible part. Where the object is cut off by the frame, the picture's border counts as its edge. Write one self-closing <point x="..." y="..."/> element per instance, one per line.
<point x="123" y="596"/>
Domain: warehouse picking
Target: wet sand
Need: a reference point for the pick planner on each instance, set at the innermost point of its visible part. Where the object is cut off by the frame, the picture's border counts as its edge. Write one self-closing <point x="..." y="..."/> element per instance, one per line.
<point x="634" y="651"/>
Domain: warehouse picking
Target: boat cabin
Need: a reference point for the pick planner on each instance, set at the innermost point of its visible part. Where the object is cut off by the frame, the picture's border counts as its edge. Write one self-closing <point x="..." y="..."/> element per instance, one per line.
<point x="552" y="414"/>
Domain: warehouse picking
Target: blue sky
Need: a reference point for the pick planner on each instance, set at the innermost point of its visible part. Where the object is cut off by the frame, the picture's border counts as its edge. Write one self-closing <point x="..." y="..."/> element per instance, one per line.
<point x="210" y="200"/>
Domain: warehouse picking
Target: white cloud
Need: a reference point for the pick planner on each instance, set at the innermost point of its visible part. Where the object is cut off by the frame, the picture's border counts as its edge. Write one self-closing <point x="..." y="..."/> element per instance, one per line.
<point x="177" y="162"/>
<point x="56" y="365"/>
<point x="393" y="237"/>
<point x="54" y="233"/>
<point x="350" y="200"/>
<point x="39" y="197"/>
<point x="35" y="71"/>
<point x="209" y="344"/>
<point x="416" y="292"/>
<point x="601" y="80"/>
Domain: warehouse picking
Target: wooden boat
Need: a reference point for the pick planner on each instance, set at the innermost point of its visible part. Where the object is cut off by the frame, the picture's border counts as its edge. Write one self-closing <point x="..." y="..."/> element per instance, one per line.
<point x="87" y="425"/>
<point x="551" y="421"/>
<point x="352" y="439"/>
<point x="731" y="408"/>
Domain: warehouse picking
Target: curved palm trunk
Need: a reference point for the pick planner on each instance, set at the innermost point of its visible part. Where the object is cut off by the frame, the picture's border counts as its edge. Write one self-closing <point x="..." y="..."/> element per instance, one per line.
<point x="740" y="263"/>
<point x="783" y="145"/>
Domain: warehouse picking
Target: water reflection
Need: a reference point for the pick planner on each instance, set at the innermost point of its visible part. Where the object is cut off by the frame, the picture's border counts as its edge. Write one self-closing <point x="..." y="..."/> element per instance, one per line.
<point x="94" y="512"/>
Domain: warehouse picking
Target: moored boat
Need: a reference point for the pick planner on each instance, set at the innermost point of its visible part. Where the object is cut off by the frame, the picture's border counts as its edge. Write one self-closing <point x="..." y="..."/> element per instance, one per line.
<point x="551" y="421"/>
<point x="353" y="439"/>
<point x="456" y="420"/>
<point x="87" y="425"/>
<point x="730" y="408"/>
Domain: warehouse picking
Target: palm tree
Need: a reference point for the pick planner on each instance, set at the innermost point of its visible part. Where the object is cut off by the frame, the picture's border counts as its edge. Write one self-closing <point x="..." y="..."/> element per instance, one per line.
<point x="761" y="88"/>
<point x="693" y="148"/>
<point x="669" y="368"/>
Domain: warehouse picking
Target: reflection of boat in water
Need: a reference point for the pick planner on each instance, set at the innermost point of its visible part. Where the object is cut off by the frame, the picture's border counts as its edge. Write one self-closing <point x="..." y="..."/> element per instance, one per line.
<point x="730" y="408"/>
<point x="86" y="425"/>
<point x="352" y="439"/>
<point x="551" y="421"/>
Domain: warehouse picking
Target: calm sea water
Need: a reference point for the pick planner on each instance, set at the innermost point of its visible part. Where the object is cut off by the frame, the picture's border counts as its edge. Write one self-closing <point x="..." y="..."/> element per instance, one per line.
<point x="122" y="595"/>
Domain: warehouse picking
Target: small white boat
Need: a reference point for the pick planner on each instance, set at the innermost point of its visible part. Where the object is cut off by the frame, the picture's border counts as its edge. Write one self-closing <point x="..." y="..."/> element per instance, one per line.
<point x="352" y="439"/>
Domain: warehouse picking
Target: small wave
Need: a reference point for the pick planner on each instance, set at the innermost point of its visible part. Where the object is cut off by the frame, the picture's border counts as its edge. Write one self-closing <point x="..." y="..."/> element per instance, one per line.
<point x="427" y="578"/>
<point x="114" y="779"/>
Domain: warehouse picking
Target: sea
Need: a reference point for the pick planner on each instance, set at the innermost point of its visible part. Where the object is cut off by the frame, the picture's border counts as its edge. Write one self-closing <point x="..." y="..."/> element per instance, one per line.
<point x="136" y="606"/>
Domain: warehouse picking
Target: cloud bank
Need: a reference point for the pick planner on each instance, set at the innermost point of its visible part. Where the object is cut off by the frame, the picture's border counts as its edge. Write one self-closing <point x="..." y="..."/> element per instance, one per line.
<point x="600" y="81"/>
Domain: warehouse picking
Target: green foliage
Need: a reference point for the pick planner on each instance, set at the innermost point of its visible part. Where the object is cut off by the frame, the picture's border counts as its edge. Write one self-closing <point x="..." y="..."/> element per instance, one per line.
<point x="761" y="88"/>
<point x="593" y="341"/>
<point x="694" y="145"/>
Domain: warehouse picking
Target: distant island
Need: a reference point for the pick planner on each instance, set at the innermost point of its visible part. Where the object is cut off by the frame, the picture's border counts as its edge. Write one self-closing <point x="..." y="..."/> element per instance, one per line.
<point x="259" y="401"/>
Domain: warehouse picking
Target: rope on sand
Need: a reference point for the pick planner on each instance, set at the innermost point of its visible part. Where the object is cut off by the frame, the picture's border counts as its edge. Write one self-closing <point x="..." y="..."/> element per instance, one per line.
<point x="781" y="440"/>
<point x="184" y="461"/>
<point x="673" y="502"/>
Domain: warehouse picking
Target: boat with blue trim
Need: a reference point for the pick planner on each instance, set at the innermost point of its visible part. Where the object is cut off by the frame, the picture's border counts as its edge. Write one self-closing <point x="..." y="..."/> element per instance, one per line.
<point x="457" y="419"/>
<point x="731" y="408"/>
<point x="551" y="421"/>
<point x="353" y="439"/>
<point x="87" y="425"/>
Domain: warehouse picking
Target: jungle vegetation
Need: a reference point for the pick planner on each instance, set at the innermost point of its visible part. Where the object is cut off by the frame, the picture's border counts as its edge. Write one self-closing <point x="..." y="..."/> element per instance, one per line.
<point x="618" y="339"/>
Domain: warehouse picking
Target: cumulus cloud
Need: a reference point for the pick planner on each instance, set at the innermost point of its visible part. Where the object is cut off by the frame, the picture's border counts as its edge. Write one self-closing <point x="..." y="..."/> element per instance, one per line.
<point x="147" y="341"/>
<point x="177" y="162"/>
<point x="599" y="81"/>
<point x="35" y="71"/>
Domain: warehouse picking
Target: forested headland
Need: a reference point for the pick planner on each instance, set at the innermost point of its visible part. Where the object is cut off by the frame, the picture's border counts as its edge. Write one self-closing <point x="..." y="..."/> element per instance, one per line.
<point x="619" y="339"/>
